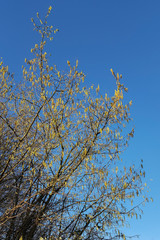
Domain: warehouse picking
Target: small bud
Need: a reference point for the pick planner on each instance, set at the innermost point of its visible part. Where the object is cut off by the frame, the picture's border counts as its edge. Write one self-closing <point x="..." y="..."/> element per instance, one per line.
<point x="68" y="62"/>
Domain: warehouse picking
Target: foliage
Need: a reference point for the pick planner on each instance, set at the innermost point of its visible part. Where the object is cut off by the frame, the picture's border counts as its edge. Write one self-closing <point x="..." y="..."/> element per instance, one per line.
<point x="60" y="168"/>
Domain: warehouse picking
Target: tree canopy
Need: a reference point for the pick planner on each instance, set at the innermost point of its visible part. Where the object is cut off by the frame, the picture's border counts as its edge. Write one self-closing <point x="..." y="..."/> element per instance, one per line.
<point x="61" y="175"/>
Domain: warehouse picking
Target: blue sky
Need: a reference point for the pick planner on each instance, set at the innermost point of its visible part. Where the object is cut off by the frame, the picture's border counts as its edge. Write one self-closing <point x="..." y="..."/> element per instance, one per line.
<point x="102" y="34"/>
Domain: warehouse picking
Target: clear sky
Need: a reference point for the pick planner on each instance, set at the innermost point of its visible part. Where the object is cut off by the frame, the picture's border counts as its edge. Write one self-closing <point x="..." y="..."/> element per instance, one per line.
<point x="103" y="34"/>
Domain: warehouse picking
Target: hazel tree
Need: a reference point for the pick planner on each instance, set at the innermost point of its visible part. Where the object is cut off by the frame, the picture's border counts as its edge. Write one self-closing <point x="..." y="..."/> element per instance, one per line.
<point x="61" y="176"/>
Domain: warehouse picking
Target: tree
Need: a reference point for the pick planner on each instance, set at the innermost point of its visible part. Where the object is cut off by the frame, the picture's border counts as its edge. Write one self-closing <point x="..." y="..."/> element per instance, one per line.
<point x="60" y="168"/>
